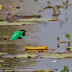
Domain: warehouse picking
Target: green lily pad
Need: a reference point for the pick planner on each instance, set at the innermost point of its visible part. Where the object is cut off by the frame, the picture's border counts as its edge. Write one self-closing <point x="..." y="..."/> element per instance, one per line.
<point x="57" y="55"/>
<point x="26" y="55"/>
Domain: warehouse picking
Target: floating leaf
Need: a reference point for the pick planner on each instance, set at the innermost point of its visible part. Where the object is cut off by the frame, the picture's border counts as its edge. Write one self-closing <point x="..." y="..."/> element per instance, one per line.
<point x="37" y="19"/>
<point x="67" y="36"/>
<point x="34" y="14"/>
<point x="26" y="55"/>
<point x="15" y="23"/>
<point x="39" y="11"/>
<point x="57" y="55"/>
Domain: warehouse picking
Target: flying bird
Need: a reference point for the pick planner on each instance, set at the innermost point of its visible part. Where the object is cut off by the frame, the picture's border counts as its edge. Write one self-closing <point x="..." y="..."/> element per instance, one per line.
<point x="18" y="34"/>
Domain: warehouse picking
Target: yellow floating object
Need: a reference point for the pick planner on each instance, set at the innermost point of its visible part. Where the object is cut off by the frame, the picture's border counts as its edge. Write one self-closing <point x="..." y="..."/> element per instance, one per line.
<point x="0" y="7"/>
<point x="36" y="48"/>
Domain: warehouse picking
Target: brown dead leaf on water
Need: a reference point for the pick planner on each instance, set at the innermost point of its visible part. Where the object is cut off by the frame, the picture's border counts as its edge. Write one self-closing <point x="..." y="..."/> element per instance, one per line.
<point x="48" y="7"/>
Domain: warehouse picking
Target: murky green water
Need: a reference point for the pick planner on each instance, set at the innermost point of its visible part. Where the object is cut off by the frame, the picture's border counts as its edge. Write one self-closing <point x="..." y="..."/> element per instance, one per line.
<point x="43" y="33"/>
